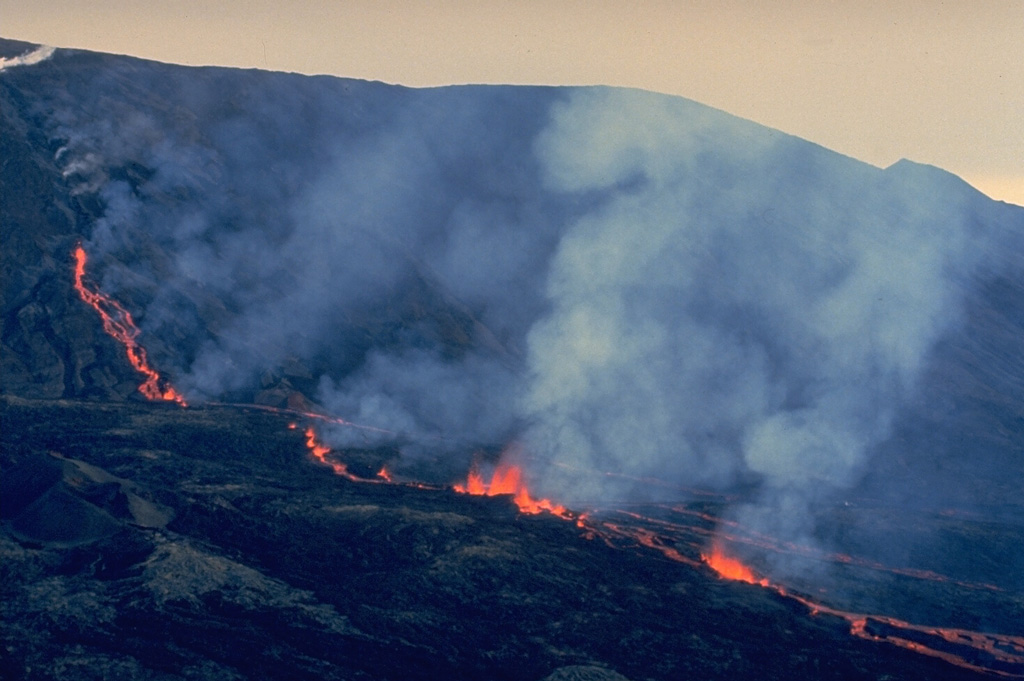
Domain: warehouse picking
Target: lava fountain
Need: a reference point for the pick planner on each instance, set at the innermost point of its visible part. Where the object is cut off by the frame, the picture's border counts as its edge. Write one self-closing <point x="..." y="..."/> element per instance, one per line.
<point x="507" y="478"/>
<point x="118" y="324"/>
<point x="728" y="567"/>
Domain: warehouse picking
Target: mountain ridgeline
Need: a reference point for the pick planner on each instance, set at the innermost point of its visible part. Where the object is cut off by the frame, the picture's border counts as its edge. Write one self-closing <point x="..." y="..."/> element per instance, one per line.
<point x="617" y="281"/>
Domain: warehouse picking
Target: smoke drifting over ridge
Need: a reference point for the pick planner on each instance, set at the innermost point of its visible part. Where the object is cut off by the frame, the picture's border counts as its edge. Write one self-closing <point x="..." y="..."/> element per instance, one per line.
<point x="739" y="301"/>
<point x="624" y="282"/>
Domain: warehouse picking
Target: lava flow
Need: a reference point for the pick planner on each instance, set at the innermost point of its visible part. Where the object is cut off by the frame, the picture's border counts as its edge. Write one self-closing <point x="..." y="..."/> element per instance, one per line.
<point x="320" y="451"/>
<point x="118" y="323"/>
<point x="508" y="479"/>
<point x="730" y="568"/>
<point x="999" y="654"/>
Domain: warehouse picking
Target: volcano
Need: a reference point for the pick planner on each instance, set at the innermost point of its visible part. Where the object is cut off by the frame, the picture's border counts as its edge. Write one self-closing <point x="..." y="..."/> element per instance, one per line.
<point x="308" y="377"/>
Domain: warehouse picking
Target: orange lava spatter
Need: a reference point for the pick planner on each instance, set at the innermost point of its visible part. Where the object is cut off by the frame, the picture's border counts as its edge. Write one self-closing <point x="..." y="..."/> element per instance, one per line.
<point x="118" y="323"/>
<point x="508" y="479"/>
<point x="731" y="568"/>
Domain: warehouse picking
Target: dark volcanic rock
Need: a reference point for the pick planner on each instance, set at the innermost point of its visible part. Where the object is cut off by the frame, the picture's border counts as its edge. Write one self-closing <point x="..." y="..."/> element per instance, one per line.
<point x="584" y="673"/>
<point x="64" y="502"/>
<point x="273" y="568"/>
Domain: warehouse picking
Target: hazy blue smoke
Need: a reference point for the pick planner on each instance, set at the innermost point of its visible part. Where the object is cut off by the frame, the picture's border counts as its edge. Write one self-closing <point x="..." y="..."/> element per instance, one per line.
<point x="736" y="301"/>
<point x="625" y="282"/>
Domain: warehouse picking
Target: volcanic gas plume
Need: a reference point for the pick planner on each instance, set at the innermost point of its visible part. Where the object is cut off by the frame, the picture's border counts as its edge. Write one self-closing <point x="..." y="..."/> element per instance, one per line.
<point x="642" y="301"/>
<point x="712" y="304"/>
<point x="956" y="646"/>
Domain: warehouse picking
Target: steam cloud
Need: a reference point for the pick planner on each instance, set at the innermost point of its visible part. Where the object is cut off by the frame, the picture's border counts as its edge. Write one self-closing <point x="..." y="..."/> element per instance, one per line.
<point x="39" y="54"/>
<point x="629" y="282"/>
<point x="738" y="302"/>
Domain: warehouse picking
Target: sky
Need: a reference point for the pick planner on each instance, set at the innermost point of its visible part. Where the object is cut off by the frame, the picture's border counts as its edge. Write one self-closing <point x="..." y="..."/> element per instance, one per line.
<point x="936" y="82"/>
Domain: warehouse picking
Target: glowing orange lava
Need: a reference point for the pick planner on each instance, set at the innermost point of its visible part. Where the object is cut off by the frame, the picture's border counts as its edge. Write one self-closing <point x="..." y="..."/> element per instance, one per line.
<point x="730" y="568"/>
<point x="977" y="651"/>
<point x="118" y="323"/>
<point x="320" y="451"/>
<point x="508" y="479"/>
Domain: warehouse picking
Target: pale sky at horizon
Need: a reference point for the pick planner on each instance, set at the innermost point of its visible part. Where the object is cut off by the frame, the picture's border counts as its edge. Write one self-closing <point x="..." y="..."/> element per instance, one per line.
<point x="935" y="82"/>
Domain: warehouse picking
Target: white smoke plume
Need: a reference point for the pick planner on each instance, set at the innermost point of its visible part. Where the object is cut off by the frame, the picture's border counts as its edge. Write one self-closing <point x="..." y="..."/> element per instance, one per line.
<point x="40" y="54"/>
<point x="624" y="282"/>
<point x="736" y="302"/>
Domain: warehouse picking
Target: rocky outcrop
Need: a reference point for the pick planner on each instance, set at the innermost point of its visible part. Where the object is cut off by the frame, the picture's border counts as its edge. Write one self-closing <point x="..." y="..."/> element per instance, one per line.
<point x="64" y="502"/>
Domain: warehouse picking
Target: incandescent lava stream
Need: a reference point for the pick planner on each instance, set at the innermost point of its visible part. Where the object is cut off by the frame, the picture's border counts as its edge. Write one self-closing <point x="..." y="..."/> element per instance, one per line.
<point x="999" y="654"/>
<point x="119" y="325"/>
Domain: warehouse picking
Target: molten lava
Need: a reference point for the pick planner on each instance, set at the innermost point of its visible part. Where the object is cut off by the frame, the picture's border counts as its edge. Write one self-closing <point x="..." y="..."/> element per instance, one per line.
<point x="118" y="323"/>
<point x="320" y="451"/>
<point x="508" y="479"/>
<point x="977" y="651"/>
<point x="323" y="454"/>
<point x="730" y="568"/>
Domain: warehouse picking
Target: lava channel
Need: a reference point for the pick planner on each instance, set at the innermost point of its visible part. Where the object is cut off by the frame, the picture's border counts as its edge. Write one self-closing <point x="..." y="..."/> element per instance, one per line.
<point x="998" y="654"/>
<point x="119" y="325"/>
<point x="319" y="450"/>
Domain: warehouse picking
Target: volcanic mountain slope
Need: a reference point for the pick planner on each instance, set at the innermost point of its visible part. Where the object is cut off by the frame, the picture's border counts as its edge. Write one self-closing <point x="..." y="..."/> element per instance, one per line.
<point x="703" y="333"/>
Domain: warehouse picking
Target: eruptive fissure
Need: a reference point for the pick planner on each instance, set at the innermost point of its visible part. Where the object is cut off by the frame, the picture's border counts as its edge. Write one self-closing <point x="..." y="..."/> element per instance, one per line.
<point x="749" y="537"/>
<point x="999" y="654"/>
<point x="323" y="453"/>
<point x="507" y="478"/>
<point x="319" y="450"/>
<point x="119" y="325"/>
<point x="731" y="568"/>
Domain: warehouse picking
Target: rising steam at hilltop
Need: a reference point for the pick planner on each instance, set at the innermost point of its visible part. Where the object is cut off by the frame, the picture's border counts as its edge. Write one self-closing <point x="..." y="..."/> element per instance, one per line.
<point x="621" y="281"/>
